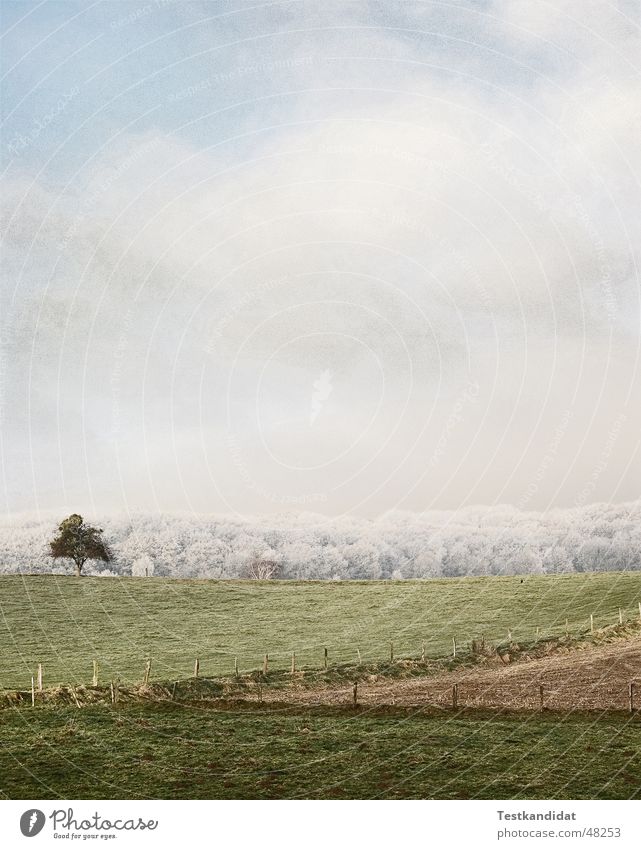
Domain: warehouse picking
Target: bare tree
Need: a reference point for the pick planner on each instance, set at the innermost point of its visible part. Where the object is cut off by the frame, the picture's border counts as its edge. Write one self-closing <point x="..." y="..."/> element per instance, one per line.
<point x="261" y="569"/>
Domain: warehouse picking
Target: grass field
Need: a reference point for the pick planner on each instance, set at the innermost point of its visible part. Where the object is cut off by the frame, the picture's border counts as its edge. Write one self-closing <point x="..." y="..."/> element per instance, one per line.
<point x="183" y="752"/>
<point x="64" y="622"/>
<point x="214" y="749"/>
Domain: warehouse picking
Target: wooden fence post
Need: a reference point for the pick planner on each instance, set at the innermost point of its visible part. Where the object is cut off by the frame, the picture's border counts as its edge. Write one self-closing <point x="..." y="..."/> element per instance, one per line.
<point x="541" y="696"/>
<point x="358" y="652"/>
<point x="538" y="631"/>
<point x="293" y="662"/>
<point x="454" y="696"/>
<point x="509" y="634"/>
<point x="592" y="623"/>
<point x="453" y="646"/>
<point x="147" y="672"/>
<point x="325" y="659"/>
<point x="631" y="695"/>
<point x="196" y="668"/>
<point x="95" y="674"/>
<point x="236" y="667"/>
<point x="355" y="693"/>
<point x="33" y="692"/>
<point x="423" y="651"/>
<point x="173" y="690"/>
<point x="265" y="663"/>
<point x="640" y="610"/>
<point x="40" y="678"/>
<point x="620" y="617"/>
<point x="391" y="652"/>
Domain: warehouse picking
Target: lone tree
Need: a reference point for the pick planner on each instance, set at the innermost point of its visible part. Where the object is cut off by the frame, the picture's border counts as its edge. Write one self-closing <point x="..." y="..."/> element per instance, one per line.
<point x="79" y="542"/>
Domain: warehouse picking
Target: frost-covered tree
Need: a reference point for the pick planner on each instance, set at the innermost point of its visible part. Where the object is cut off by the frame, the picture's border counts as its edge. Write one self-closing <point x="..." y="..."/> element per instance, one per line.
<point x="363" y="561"/>
<point x="142" y="567"/>
<point x="496" y="540"/>
<point x="262" y="566"/>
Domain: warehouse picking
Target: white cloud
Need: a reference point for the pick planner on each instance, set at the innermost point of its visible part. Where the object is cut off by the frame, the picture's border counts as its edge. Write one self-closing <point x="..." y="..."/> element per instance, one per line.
<point x="413" y="238"/>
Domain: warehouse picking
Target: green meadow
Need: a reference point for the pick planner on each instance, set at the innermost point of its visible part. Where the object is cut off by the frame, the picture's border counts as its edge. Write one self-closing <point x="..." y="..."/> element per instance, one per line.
<point x="172" y="751"/>
<point x="66" y="623"/>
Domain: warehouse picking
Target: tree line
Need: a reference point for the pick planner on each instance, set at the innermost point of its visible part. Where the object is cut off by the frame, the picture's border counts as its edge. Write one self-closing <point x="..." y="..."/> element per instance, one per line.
<point x="498" y="540"/>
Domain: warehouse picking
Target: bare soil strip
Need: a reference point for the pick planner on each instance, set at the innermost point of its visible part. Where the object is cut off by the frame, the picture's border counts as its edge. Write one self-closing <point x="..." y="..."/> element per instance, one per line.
<point x="594" y="678"/>
<point x="560" y="675"/>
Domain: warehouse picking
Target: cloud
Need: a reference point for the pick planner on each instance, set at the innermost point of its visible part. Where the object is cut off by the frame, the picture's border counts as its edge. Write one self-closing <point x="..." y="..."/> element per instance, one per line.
<point x="412" y="223"/>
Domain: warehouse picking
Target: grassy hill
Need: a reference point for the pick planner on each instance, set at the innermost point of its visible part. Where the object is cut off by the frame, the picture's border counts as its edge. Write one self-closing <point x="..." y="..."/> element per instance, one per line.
<point x="65" y="622"/>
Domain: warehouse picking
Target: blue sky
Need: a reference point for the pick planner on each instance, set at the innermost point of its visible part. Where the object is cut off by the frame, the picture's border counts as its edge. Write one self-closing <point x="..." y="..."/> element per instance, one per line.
<point x="430" y="210"/>
<point x="142" y="65"/>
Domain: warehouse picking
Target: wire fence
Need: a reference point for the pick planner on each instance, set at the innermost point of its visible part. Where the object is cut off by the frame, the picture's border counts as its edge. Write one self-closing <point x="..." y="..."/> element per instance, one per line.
<point x="460" y="696"/>
<point x="384" y="659"/>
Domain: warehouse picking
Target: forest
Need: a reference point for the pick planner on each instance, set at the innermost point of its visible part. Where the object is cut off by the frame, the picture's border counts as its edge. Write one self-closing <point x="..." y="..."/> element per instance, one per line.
<point x="474" y="541"/>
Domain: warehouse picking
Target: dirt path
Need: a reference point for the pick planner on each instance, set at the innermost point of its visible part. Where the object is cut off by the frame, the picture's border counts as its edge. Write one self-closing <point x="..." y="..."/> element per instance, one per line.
<point x="583" y="679"/>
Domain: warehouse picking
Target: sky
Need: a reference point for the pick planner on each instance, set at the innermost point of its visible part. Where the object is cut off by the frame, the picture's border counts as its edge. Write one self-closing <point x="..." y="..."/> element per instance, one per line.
<point x="340" y="258"/>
